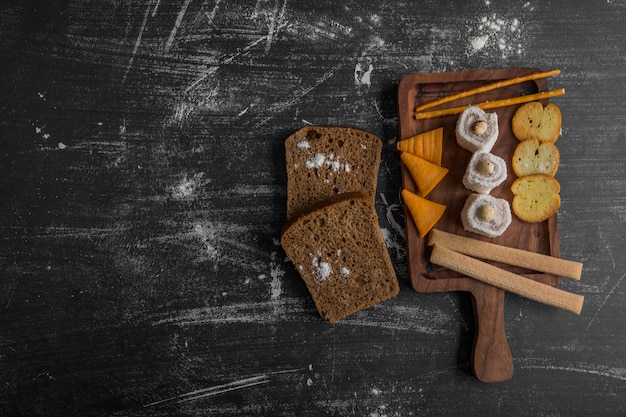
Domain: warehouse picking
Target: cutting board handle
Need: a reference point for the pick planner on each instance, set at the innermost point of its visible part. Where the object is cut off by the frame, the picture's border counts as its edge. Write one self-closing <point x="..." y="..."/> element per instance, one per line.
<point x="491" y="359"/>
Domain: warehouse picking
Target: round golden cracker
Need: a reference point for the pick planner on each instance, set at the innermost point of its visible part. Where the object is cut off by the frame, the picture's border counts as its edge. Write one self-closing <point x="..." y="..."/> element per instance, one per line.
<point x="534" y="157"/>
<point x="534" y="121"/>
<point x="535" y="197"/>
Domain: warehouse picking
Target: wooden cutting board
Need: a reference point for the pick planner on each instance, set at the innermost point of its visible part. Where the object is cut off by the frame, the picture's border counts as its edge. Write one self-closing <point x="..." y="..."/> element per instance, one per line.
<point x="491" y="357"/>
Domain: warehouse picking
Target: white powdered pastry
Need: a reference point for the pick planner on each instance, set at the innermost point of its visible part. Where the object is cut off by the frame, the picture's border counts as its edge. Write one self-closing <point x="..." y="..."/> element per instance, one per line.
<point x="486" y="215"/>
<point x="484" y="172"/>
<point x="477" y="130"/>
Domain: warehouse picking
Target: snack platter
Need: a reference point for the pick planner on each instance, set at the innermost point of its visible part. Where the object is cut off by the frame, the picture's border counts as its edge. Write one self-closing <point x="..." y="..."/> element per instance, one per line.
<point x="419" y="88"/>
<point x="491" y="360"/>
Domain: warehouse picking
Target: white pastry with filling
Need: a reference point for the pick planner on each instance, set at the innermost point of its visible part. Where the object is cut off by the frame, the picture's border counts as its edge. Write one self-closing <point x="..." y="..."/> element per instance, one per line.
<point x="477" y="130"/>
<point x="484" y="172"/>
<point x="486" y="215"/>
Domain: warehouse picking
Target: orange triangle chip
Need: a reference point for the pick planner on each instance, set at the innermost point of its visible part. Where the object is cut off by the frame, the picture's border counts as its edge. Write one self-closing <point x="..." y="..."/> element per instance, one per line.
<point x="427" y="145"/>
<point x="425" y="173"/>
<point x="425" y="213"/>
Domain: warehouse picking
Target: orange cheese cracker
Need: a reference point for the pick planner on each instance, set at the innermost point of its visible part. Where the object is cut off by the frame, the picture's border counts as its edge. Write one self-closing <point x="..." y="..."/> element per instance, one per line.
<point x="427" y="145"/>
<point x="425" y="173"/>
<point x="425" y="213"/>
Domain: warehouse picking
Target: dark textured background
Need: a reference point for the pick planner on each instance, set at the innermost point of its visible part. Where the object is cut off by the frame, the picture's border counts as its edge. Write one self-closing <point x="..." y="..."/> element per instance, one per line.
<point x="142" y="195"/>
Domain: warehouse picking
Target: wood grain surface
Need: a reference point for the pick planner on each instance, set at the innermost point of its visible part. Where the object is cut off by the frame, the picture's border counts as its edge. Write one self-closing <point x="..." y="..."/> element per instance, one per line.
<point x="142" y="195"/>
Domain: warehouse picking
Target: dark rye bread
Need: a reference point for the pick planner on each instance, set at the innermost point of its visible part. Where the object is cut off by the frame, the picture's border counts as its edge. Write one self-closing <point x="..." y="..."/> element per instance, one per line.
<point x="323" y="161"/>
<point x="337" y="247"/>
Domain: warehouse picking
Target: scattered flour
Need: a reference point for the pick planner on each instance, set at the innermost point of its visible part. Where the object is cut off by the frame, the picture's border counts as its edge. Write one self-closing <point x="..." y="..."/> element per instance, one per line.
<point x="316" y="162"/>
<point x="224" y="243"/>
<point x="364" y="67"/>
<point x="276" y="272"/>
<point x="303" y="144"/>
<point x="394" y="238"/>
<point x="182" y="111"/>
<point x="381" y="409"/>
<point x="361" y="76"/>
<point x="40" y="131"/>
<point x="186" y="188"/>
<point x="330" y="161"/>
<point x="479" y="42"/>
<point x="208" y="236"/>
<point x="495" y="33"/>
<point x="322" y="270"/>
<point x="375" y="19"/>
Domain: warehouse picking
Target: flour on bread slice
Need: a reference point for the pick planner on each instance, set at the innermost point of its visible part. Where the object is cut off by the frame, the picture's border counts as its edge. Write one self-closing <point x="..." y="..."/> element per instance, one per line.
<point x="338" y="248"/>
<point x="323" y="161"/>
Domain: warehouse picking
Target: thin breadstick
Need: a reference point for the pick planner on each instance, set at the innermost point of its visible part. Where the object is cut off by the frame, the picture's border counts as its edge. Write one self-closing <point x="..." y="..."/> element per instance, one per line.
<point x="488" y="87"/>
<point x="491" y="104"/>
<point x="507" y="255"/>
<point x="506" y="280"/>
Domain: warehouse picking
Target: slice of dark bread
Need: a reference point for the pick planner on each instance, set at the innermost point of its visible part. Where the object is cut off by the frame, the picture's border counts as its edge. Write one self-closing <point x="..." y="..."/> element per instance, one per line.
<point x="337" y="247"/>
<point x="323" y="161"/>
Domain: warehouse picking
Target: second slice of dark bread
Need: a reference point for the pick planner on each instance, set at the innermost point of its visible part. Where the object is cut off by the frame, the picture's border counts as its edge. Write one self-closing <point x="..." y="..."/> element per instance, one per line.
<point x="337" y="247"/>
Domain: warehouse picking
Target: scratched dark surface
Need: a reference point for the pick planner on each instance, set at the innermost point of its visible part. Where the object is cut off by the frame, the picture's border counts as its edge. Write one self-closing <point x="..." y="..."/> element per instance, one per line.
<point x="143" y="194"/>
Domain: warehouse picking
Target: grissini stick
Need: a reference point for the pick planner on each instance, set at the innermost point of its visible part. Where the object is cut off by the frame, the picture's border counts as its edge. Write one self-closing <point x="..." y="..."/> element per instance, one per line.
<point x="507" y="255"/>
<point x="485" y="105"/>
<point x="506" y="280"/>
<point x="488" y="87"/>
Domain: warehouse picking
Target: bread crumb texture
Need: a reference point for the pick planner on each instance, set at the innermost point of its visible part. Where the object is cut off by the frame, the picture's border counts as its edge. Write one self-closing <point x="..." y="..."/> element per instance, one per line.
<point x="341" y="256"/>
